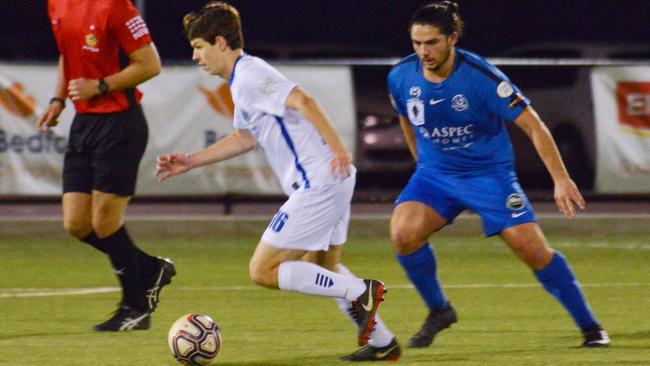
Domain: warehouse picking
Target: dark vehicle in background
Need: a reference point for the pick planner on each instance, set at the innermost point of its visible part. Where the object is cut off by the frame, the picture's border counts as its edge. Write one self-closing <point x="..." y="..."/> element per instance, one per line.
<point x="560" y="93"/>
<point x="382" y="157"/>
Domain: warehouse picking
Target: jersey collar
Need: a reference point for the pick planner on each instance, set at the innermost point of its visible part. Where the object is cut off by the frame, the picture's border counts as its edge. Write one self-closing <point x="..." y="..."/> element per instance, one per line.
<point x="234" y="67"/>
<point x="446" y="81"/>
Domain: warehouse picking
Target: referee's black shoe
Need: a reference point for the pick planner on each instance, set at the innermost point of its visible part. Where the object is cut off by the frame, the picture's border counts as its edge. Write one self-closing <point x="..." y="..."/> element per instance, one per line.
<point x="365" y="308"/>
<point x="155" y="283"/>
<point x="124" y="319"/>
<point x="595" y="337"/>
<point x="436" y="321"/>
<point x="390" y="352"/>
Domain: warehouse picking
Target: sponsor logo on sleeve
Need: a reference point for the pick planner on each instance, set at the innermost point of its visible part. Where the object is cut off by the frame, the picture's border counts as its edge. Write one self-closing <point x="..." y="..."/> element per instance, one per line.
<point x="267" y="86"/>
<point x="504" y="89"/>
<point x="137" y="27"/>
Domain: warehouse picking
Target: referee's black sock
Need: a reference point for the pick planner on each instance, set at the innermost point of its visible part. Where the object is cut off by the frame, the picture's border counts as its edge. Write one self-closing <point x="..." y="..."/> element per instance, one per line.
<point x="92" y="240"/>
<point x="148" y="264"/>
<point x="124" y="258"/>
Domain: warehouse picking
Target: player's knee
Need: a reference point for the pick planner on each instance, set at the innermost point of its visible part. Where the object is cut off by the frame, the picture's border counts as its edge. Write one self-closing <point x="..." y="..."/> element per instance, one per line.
<point x="539" y="259"/>
<point x="259" y="274"/>
<point x="104" y="227"/>
<point x="536" y="255"/>
<point x="404" y="241"/>
<point x="78" y="229"/>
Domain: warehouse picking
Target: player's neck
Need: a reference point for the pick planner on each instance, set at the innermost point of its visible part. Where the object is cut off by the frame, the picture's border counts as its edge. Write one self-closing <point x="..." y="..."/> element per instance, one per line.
<point x="442" y="73"/>
<point x="231" y="61"/>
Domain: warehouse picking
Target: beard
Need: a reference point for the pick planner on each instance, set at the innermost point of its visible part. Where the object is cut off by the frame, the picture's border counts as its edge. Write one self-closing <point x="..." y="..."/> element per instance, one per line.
<point x="444" y="57"/>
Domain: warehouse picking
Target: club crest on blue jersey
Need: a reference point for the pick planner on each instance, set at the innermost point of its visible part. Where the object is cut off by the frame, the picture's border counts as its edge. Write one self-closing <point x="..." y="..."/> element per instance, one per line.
<point x="415" y="91"/>
<point x="459" y="103"/>
<point x="415" y="108"/>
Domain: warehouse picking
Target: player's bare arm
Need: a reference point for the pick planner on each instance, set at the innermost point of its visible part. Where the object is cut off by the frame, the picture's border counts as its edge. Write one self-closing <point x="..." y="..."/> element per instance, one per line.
<point x="301" y="101"/>
<point x="567" y="196"/>
<point x="409" y="135"/>
<point x="236" y="143"/>
<point x="144" y="64"/>
<point x="50" y="116"/>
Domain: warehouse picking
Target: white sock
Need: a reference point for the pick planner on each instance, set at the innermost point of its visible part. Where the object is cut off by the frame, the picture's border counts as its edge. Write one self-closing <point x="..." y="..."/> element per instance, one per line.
<point x="381" y="335"/>
<point x="311" y="279"/>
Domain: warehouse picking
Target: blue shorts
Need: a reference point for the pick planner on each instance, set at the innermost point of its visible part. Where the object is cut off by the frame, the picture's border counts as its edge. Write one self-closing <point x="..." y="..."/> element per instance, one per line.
<point x="496" y="197"/>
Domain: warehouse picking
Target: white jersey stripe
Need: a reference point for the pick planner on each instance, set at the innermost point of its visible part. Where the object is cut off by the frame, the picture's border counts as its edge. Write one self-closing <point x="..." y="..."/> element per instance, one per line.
<point x="295" y="150"/>
<point x="287" y="138"/>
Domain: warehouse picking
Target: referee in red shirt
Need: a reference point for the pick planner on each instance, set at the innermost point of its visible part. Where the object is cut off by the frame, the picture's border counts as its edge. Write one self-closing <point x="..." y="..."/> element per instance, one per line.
<point x="107" y="139"/>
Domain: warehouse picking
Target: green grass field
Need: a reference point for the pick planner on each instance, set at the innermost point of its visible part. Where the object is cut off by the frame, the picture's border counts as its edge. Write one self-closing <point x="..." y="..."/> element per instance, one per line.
<point x="505" y="318"/>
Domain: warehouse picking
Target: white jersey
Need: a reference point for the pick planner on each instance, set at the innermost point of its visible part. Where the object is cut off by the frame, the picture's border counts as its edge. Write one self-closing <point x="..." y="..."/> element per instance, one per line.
<point x="295" y="150"/>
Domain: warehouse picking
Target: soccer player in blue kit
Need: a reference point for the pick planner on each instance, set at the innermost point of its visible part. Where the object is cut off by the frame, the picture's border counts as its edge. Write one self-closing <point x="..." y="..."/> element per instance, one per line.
<point x="453" y="106"/>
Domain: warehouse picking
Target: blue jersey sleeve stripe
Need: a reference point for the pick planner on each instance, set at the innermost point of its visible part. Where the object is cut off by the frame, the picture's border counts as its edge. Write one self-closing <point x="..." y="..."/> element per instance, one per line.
<point x="516" y="98"/>
<point x="407" y="59"/>
<point x="287" y="138"/>
<point x="480" y="68"/>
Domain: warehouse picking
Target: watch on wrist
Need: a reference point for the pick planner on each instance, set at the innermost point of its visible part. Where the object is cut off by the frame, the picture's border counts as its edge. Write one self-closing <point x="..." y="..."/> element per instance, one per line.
<point x="57" y="99"/>
<point x="103" y="87"/>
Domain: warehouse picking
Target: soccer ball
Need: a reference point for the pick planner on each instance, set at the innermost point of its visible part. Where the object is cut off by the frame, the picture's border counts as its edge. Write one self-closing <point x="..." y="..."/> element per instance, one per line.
<point x="194" y="339"/>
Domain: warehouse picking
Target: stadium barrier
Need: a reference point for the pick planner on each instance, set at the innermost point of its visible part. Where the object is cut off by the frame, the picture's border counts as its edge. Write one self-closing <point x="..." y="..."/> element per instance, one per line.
<point x="188" y="110"/>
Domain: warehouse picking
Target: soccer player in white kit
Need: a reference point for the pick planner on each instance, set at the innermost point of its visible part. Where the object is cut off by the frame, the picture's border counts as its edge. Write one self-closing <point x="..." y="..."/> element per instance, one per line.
<point x="300" y="249"/>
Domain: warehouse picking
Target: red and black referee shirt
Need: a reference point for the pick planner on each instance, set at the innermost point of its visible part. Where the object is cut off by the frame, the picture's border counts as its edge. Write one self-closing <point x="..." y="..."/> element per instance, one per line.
<point x="91" y="34"/>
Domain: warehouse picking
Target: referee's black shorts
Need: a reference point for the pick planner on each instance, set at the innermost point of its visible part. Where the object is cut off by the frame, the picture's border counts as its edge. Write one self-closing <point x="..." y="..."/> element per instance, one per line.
<point x="104" y="152"/>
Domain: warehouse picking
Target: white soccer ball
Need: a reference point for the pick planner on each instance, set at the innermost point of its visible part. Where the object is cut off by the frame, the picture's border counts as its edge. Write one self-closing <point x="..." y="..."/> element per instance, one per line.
<point x="194" y="339"/>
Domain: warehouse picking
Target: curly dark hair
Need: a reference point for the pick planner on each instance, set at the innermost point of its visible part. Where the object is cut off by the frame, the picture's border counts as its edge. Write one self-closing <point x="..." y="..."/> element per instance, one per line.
<point x="443" y="15"/>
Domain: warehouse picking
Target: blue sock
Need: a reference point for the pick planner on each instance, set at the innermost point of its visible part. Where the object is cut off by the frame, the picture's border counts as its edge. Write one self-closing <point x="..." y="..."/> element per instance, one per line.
<point x="420" y="268"/>
<point x="560" y="282"/>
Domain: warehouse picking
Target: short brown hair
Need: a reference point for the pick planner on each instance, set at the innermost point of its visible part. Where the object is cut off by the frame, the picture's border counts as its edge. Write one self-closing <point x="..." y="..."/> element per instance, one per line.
<point x="215" y="19"/>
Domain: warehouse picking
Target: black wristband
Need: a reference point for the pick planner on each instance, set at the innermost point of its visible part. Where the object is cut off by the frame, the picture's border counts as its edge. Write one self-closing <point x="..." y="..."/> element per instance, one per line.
<point x="57" y="99"/>
<point x="103" y="87"/>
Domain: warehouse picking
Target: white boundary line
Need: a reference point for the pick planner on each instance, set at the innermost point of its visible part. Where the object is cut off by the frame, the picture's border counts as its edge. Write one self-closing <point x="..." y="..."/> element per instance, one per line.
<point x="45" y="292"/>
<point x="51" y="292"/>
<point x="603" y="245"/>
<point x="256" y="217"/>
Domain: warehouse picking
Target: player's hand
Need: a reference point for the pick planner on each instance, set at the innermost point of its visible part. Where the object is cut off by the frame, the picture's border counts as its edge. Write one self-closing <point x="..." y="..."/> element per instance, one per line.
<point x="50" y="117"/>
<point x="568" y="197"/>
<point x="341" y="164"/>
<point x="172" y="164"/>
<point x="83" y="88"/>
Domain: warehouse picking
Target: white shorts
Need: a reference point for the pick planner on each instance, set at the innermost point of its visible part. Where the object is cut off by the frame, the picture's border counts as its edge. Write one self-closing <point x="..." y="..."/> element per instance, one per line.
<point x="313" y="219"/>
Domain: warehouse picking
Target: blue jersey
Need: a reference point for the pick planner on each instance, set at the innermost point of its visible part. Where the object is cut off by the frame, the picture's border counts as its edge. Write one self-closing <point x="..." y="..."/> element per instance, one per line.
<point x="458" y="123"/>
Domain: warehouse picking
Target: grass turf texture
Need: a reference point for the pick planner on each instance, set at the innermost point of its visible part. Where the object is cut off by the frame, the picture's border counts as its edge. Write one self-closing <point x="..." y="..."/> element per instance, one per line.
<point x="505" y="317"/>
